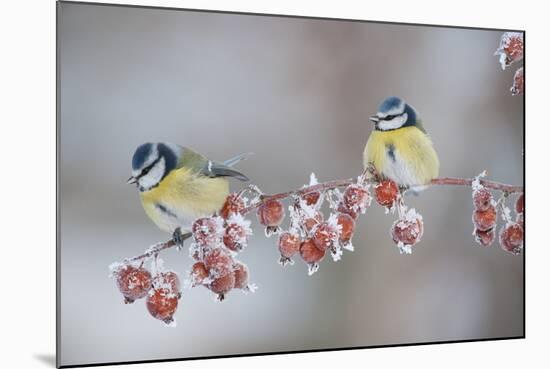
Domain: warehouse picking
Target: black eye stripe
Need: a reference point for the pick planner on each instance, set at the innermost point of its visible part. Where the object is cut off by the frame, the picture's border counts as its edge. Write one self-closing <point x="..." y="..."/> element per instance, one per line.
<point x="390" y="117"/>
<point x="146" y="170"/>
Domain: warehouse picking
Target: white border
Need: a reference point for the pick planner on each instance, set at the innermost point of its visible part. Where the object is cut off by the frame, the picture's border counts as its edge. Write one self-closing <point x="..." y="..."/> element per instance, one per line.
<point x="27" y="114"/>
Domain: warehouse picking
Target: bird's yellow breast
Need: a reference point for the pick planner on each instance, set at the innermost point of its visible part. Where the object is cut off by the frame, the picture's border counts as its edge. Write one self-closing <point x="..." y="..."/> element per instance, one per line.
<point x="405" y="155"/>
<point x="183" y="196"/>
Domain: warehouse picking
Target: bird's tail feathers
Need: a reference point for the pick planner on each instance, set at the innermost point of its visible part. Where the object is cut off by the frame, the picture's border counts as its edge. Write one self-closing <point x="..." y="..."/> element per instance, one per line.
<point x="231" y="162"/>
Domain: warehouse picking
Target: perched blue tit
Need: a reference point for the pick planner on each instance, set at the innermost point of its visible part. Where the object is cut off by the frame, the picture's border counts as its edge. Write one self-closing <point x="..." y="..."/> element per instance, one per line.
<point x="399" y="147"/>
<point x="178" y="185"/>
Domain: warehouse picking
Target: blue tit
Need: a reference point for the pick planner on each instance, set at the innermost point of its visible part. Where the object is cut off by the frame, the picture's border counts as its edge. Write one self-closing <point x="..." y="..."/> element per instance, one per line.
<point x="399" y="147"/>
<point x="178" y="185"/>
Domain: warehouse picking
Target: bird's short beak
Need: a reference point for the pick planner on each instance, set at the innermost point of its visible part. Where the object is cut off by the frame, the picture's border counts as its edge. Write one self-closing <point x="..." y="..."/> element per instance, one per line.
<point x="374" y="119"/>
<point x="131" y="180"/>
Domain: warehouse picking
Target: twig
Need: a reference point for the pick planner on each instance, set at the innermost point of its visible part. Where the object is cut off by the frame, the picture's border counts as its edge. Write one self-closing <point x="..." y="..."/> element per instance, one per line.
<point x="157" y="248"/>
<point x="330" y="185"/>
<point x="152" y="251"/>
<point x="468" y="182"/>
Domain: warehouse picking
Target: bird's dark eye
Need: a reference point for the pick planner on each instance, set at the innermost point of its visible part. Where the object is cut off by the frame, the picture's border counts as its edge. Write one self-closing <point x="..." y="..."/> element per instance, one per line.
<point x="390" y="117"/>
<point x="147" y="169"/>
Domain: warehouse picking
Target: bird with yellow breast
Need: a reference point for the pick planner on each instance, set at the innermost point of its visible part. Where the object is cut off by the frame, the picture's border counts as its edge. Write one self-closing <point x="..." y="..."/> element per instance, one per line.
<point x="178" y="185"/>
<point x="399" y="147"/>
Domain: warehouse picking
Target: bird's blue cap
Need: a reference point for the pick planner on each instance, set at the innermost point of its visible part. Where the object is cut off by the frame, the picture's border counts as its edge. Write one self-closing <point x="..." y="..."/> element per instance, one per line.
<point x="391" y="103"/>
<point x="141" y="154"/>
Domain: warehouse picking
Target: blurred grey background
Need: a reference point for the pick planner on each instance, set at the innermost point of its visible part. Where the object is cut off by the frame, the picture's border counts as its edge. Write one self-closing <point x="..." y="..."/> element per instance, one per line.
<point x="297" y="92"/>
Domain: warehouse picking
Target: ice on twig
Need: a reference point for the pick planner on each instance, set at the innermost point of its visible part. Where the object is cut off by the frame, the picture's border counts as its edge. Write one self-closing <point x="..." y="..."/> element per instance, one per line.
<point x="157" y="266"/>
<point x="313" y="179"/>
<point x="333" y="222"/>
<point x="476" y="182"/>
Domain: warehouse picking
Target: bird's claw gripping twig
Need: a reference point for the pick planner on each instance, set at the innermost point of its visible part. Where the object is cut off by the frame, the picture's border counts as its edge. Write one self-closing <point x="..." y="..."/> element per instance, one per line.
<point x="370" y="171"/>
<point x="179" y="237"/>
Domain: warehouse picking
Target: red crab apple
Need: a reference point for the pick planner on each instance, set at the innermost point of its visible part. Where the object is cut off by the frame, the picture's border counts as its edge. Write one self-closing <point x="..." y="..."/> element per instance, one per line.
<point x="234" y="237"/>
<point x="520" y="204"/>
<point x="311" y="221"/>
<point x="233" y="204"/>
<point x="342" y="208"/>
<point x="199" y="273"/>
<point x="218" y="262"/>
<point x="289" y="245"/>
<point x="311" y="198"/>
<point x="133" y="282"/>
<point x="241" y="275"/>
<point x="169" y="280"/>
<point x="205" y="231"/>
<point x="407" y="232"/>
<point x="356" y="198"/>
<point x="311" y="253"/>
<point x="511" y="48"/>
<point x="347" y="225"/>
<point x="511" y="238"/>
<point x="222" y="285"/>
<point x="325" y="236"/>
<point x="485" y="238"/>
<point x="483" y="199"/>
<point x="518" y="83"/>
<point x="271" y="213"/>
<point x="485" y="220"/>
<point x="386" y="193"/>
<point x="162" y="304"/>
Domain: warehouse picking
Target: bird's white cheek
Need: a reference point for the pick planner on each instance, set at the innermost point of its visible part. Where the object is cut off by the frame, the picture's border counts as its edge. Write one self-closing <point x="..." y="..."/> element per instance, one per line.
<point x="154" y="176"/>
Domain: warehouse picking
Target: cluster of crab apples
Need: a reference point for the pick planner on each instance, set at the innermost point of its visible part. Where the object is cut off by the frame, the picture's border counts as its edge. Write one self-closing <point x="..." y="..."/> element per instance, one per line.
<point x="511" y="51"/>
<point x="216" y="242"/>
<point x="161" y="291"/>
<point x="308" y="235"/>
<point x="484" y="218"/>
